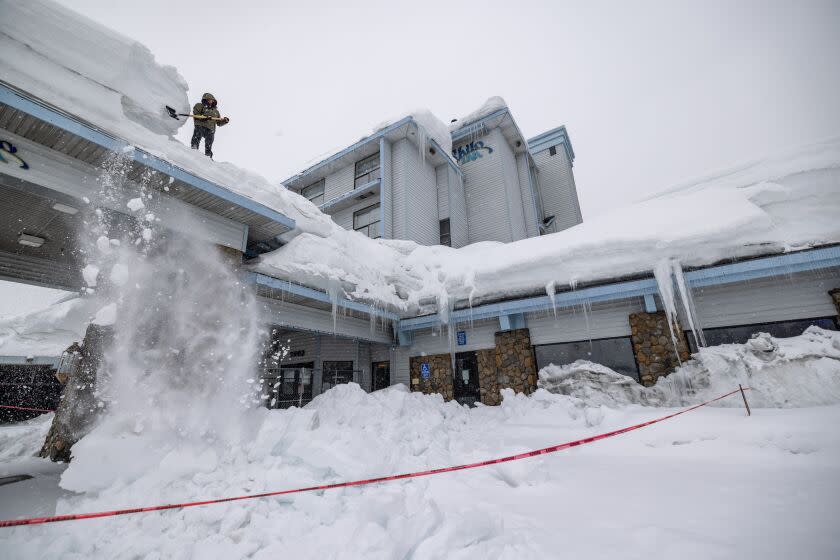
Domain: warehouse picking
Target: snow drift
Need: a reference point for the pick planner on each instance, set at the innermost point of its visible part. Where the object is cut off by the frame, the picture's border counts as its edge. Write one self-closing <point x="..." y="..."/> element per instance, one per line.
<point x="785" y="203"/>
<point x="781" y="372"/>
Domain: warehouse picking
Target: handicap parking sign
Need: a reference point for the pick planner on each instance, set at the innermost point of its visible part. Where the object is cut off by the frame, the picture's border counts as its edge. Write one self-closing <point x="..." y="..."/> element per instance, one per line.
<point x="425" y="372"/>
<point x="462" y="338"/>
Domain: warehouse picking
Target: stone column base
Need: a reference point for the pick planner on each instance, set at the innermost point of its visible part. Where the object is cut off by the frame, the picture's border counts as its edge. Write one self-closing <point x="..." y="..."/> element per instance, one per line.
<point x="654" y="347"/>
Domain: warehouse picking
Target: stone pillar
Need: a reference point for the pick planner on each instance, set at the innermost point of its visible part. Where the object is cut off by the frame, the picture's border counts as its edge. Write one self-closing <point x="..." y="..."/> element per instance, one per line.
<point x="653" y="346"/>
<point x="440" y="375"/>
<point x="79" y="406"/>
<point x="515" y="364"/>
<point x="488" y="377"/>
<point x="835" y="296"/>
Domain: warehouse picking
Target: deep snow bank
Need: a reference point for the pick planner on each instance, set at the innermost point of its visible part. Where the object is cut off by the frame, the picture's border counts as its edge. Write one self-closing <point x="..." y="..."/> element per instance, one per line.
<point x="47" y="332"/>
<point x="785" y="203"/>
<point x="781" y="372"/>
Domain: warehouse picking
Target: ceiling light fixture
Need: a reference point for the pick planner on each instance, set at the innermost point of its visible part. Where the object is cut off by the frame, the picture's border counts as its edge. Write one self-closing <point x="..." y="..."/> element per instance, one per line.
<point x="66" y="209"/>
<point x="30" y="240"/>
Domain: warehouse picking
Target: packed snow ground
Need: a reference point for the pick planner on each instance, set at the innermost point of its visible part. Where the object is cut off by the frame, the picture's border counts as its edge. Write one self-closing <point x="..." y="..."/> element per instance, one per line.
<point x="711" y="483"/>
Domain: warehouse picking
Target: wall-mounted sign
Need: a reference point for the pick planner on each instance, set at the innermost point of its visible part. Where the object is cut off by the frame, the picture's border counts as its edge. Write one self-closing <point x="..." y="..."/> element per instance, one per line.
<point x="297" y="353"/>
<point x="7" y="155"/>
<point x="425" y="371"/>
<point x="471" y="151"/>
<point x="462" y="338"/>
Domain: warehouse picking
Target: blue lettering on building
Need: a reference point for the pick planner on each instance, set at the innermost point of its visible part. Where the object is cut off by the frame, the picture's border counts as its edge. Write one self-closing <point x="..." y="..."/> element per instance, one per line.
<point x="8" y="151"/>
<point x="471" y="151"/>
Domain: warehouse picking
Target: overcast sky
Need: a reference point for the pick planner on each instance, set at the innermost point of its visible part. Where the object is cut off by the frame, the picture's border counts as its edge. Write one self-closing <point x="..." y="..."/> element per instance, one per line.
<point x="652" y="92"/>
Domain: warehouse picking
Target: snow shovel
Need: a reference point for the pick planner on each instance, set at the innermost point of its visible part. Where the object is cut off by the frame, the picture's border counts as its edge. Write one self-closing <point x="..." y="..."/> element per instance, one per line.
<point x="174" y="114"/>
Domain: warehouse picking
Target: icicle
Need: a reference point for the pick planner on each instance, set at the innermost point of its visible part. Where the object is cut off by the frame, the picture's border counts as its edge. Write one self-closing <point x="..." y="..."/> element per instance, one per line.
<point x="551" y="289"/>
<point x="688" y="305"/>
<point x="665" y="283"/>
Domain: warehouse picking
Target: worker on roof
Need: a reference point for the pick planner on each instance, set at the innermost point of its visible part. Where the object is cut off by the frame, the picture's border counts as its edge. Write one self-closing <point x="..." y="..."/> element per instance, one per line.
<point x="206" y="117"/>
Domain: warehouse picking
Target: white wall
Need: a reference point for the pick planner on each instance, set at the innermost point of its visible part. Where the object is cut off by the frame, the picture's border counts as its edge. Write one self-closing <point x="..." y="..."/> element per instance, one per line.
<point x="339" y="182"/>
<point x="493" y="196"/>
<point x="415" y="195"/>
<point x="529" y="206"/>
<point x="557" y="188"/>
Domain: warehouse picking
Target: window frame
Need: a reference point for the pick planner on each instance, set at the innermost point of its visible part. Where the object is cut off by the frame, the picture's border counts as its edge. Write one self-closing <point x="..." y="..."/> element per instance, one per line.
<point x="445" y="236"/>
<point x="320" y="182"/>
<point x="365" y="229"/>
<point x="368" y="175"/>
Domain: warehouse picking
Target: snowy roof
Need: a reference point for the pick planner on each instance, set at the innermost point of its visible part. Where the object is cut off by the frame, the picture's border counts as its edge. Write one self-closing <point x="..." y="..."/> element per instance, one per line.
<point x="430" y="128"/>
<point x="784" y="203"/>
<point x="115" y="84"/>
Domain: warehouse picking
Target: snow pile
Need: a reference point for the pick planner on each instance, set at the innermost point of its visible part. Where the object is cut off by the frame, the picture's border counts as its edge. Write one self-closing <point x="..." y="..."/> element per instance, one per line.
<point x="47" y="332"/>
<point x="787" y="203"/>
<point x="591" y="501"/>
<point x="781" y="372"/>
<point x="492" y="105"/>
<point x="430" y="127"/>
<point x="77" y="63"/>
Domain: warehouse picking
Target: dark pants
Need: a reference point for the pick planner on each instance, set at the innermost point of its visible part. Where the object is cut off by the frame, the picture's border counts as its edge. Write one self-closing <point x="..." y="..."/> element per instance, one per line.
<point x="203" y="132"/>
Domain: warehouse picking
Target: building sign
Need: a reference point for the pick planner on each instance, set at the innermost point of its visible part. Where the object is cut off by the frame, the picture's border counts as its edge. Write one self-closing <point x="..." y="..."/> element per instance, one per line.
<point x="471" y="151"/>
<point x="462" y="338"/>
<point x="425" y="372"/>
<point x="7" y="155"/>
<point x="297" y="353"/>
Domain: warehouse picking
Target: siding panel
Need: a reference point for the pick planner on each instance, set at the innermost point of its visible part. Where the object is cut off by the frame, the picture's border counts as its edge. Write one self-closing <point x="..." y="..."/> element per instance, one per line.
<point x="557" y="188"/>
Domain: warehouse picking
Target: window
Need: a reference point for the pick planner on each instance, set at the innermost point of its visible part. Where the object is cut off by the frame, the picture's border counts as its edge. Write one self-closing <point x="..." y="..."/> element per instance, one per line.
<point x="445" y="237"/>
<point x="552" y="151"/>
<point x="335" y="373"/>
<point x="742" y="333"/>
<point x="615" y="353"/>
<point x="367" y="221"/>
<point x="367" y="170"/>
<point x="314" y="192"/>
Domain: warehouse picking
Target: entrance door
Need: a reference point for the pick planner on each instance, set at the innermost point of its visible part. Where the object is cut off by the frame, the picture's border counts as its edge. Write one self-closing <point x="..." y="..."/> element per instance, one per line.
<point x="466" y="378"/>
<point x="381" y="374"/>
<point x="289" y="385"/>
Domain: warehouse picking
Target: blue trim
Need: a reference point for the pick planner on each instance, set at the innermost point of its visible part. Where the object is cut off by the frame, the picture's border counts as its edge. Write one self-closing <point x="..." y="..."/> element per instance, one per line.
<point x="512" y="322"/>
<point x="470" y="128"/>
<point x="650" y="303"/>
<point x="551" y="138"/>
<point x="377" y="135"/>
<point x="65" y="122"/>
<point x="318" y="295"/>
<point x="350" y="195"/>
<point x="787" y="263"/>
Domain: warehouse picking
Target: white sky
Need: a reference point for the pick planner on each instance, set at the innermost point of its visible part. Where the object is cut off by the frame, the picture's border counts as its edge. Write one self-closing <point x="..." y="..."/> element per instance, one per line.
<point x="652" y="92"/>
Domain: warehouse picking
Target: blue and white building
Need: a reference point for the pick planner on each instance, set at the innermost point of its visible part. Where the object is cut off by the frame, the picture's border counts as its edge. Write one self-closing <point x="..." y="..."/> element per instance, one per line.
<point x="495" y="185"/>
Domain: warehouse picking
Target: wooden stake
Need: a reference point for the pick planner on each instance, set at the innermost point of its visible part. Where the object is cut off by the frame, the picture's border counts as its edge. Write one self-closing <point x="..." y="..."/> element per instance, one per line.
<point x="744" y="396"/>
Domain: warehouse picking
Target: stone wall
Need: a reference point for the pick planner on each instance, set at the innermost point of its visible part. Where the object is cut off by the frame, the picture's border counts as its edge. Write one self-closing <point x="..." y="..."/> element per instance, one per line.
<point x="516" y="366"/>
<point x="511" y="364"/>
<point x="488" y="377"/>
<point x="653" y="346"/>
<point x="440" y="378"/>
<point x="835" y="295"/>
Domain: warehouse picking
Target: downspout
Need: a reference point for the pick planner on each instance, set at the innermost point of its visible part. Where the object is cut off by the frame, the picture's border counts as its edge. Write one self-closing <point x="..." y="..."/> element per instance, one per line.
<point x="531" y="180"/>
<point x="383" y="184"/>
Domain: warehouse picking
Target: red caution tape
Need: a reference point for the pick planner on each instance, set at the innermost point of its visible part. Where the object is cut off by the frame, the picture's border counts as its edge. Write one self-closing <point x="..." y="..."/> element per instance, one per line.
<point x="26" y="408"/>
<point x="543" y="451"/>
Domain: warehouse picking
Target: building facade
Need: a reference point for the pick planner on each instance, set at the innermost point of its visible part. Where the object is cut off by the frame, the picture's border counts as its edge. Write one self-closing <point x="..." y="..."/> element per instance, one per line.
<point x="496" y="185"/>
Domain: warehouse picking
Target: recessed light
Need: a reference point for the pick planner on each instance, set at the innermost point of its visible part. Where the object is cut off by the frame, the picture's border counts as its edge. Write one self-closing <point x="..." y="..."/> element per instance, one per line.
<point x="64" y="208"/>
<point x="30" y="240"/>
